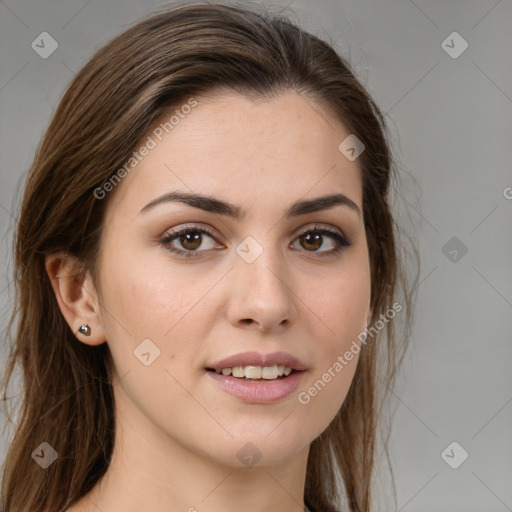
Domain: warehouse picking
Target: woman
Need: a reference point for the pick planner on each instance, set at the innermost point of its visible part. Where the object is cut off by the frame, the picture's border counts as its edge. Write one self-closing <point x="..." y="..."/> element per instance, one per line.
<point x="207" y="272"/>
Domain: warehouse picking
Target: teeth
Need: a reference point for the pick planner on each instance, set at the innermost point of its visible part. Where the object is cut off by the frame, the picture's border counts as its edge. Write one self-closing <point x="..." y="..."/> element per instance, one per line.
<point x="270" y="372"/>
<point x="257" y="372"/>
<point x="253" y="372"/>
<point x="238" y="371"/>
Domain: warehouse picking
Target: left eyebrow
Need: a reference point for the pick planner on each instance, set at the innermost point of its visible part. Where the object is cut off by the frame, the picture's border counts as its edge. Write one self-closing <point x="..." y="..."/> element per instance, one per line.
<point x="214" y="205"/>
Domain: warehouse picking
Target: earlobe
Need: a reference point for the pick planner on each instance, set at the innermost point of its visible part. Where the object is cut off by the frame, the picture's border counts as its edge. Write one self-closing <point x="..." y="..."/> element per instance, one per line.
<point x="76" y="296"/>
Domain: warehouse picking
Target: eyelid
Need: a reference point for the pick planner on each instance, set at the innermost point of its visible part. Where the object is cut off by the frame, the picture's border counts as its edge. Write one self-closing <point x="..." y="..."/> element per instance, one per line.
<point x="337" y="234"/>
<point x="184" y="228"/>
<point x="211" y="231"/>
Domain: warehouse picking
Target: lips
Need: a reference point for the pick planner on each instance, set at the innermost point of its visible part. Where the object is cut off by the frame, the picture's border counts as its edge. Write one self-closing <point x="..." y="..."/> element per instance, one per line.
<point x="257" y="359"/>
<point x="257" y="391"/>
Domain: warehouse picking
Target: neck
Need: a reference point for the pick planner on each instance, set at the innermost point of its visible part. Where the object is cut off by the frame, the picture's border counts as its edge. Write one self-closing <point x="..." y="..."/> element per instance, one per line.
<point x="155" y="472"/>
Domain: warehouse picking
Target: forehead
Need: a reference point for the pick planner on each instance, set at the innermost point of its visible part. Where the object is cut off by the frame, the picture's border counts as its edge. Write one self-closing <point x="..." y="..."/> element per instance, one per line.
<point x="226" y="144"/>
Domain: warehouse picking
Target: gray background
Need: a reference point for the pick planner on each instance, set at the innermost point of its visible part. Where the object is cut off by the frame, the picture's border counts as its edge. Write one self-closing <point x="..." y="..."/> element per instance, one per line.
<point x="451" y="123"/>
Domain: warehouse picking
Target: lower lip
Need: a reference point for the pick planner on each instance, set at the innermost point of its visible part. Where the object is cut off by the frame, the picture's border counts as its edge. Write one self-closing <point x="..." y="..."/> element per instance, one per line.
<point x="260" y="391"/>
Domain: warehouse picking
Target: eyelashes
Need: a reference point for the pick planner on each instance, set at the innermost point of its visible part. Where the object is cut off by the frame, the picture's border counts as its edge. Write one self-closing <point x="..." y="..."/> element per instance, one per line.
<point x="313" y="235"/>
<point x="174" y="235"/>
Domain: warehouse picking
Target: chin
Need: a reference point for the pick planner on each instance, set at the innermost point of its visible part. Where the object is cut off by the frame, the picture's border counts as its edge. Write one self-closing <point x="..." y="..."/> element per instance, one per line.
<point x="260" y="447"/>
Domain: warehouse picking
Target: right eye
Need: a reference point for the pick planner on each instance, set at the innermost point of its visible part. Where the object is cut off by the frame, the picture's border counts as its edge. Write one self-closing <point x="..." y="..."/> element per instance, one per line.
<point x="189" y="237"/>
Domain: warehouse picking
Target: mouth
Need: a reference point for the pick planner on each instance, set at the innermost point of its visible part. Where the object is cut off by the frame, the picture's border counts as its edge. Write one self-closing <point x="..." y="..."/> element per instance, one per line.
<point x="257" y="378"/>
<point x="256" y="373"/>
<point x="253" y="388"/>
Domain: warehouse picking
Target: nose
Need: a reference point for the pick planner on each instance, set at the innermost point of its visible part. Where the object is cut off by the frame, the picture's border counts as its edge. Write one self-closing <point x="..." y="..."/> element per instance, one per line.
<point x="262" y="293"/>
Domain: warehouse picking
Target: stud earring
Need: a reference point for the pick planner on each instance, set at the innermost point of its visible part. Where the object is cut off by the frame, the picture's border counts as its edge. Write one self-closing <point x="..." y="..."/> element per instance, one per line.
<point x="85" y="330"/>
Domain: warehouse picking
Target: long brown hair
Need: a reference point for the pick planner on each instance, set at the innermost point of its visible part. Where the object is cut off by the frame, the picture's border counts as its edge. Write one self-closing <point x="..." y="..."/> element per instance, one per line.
<point x="188" y="49"/>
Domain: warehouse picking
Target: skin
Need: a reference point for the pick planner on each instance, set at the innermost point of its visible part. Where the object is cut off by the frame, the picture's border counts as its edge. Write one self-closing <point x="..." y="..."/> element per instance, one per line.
<point x="178" y="433"/>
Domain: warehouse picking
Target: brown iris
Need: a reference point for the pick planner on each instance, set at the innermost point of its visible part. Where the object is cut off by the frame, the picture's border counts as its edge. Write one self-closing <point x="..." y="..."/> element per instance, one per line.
<point x="312" y="237"/>
<point x="195" y="239"/>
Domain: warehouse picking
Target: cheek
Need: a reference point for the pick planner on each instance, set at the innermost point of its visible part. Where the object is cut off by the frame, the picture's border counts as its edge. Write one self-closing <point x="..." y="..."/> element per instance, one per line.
<point x="169" y="305"/>
<point x="139" y="291"/>
<point x="341" y="304"/>
<point x="340" y="309"/>
<point x="324" y="392"/>
<point x="321" y="398"/>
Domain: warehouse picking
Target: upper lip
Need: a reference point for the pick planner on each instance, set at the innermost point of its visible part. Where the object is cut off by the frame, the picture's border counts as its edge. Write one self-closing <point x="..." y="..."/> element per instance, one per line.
<point x="257" y="359"/>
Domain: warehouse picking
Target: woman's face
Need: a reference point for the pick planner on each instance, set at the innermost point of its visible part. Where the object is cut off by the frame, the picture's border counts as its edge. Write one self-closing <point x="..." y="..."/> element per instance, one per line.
<point x="261" y="282"/>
